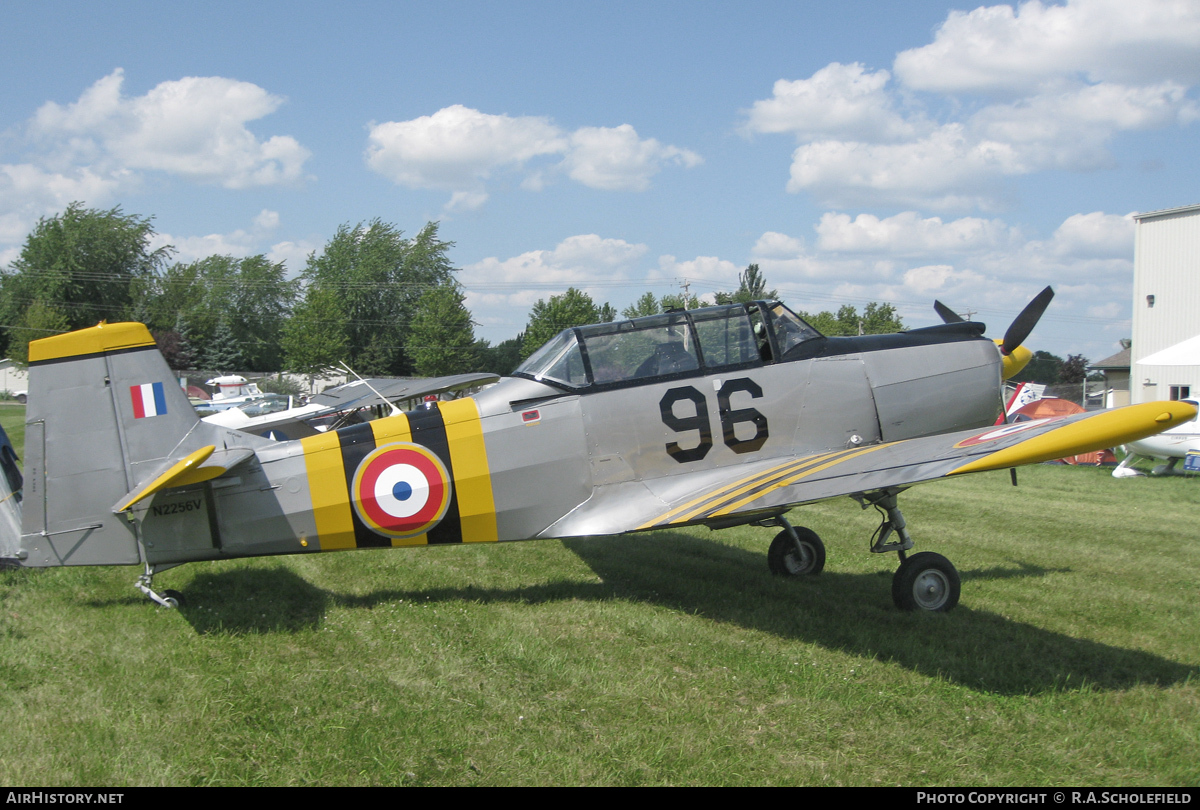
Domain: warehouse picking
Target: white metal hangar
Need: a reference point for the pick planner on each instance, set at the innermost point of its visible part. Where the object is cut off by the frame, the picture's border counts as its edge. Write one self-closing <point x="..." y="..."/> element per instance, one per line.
<point x="1166" y="305"/>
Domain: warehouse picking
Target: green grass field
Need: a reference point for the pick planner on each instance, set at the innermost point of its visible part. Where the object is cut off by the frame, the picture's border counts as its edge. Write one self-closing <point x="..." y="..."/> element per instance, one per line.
<point x="663" y="659"/>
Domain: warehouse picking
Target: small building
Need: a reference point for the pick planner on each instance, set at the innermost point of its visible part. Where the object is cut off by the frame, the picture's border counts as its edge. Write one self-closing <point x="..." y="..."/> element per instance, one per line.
<point x="1116" y="378"/>
<point x="13" y="378"/>
<point x="1166" y="301"/>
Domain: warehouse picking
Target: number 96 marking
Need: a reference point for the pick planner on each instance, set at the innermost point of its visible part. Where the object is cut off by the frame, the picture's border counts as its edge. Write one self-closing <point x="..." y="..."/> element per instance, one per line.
<point x="698" y="420"/>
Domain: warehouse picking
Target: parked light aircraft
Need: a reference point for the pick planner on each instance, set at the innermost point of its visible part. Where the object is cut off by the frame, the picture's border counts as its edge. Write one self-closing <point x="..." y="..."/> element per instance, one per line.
<point x="720" y="416"/>
<point x="1170" y="445"/>
<point x="348" y="400"/>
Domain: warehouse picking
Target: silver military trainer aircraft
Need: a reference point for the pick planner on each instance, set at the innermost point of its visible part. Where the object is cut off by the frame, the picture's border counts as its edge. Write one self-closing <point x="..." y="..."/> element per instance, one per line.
<point x="720" y="416"/>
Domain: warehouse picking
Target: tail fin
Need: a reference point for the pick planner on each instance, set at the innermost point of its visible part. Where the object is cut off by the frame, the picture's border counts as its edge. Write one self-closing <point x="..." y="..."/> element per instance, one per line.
<point x="105" y="412"/>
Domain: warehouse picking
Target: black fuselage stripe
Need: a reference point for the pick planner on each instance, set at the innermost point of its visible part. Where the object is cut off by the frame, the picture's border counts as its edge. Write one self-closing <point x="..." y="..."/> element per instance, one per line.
<point x="429" y="431"/>
<point x="357" y="442"/>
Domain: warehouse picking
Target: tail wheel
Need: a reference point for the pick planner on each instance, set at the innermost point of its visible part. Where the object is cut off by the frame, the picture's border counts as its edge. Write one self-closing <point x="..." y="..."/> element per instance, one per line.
<point x="785" y="560"/>
<point x="926" y="581"/>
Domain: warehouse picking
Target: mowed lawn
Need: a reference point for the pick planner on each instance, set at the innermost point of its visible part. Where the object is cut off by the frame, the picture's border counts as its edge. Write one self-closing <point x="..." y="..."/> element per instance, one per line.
<point x="670" y="658"/>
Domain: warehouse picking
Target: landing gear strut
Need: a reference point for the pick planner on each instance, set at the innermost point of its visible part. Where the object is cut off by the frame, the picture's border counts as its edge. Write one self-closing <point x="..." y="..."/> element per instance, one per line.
<point x="924" y="581"/>
<point x="168" y="598"/>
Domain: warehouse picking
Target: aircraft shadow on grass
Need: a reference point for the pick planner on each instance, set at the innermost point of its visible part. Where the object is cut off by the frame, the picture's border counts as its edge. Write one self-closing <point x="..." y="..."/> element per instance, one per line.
<point x="847" y="612"/>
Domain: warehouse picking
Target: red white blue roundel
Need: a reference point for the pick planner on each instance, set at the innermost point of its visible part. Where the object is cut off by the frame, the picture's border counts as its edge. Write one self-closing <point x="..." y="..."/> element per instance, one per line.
<point x="401" y="490"/>
<point x="1001" y="432"/>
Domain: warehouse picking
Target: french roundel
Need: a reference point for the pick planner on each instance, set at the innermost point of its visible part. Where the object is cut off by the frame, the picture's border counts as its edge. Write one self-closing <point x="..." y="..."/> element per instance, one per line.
<point x="401" y="490"/>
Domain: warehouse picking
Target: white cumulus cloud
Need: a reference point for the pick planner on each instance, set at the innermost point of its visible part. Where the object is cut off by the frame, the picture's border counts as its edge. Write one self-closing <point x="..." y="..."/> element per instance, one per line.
<point x="1039" y="88"/>
<point x="458" y="149"/>
<point x="1002" y="49"/>
<point x="1095" y="235"/>
<point x="841" y="101"/>
<point x="908" y="233"/>
<point x="616" y="159"/>
<point x="193" y="127"/>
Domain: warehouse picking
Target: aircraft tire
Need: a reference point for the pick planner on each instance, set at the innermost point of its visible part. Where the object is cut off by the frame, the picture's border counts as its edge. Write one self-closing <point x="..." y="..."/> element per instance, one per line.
<point x="926" y="581"/>
<point x="783" y="560"/>
<point x="174" y="598"/>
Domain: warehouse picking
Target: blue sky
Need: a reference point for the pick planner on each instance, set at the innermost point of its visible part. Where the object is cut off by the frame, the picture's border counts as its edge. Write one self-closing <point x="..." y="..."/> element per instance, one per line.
<point x="859" y="151"/>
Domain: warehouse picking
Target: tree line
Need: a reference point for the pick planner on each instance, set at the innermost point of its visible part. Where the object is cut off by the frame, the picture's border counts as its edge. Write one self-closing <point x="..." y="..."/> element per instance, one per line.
<point x="385" y="303"/>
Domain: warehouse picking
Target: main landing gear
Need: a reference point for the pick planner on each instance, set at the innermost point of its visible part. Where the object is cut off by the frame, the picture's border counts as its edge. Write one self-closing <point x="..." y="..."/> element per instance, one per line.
<point x="924" y="581"/>
<point x="795" y="551"/>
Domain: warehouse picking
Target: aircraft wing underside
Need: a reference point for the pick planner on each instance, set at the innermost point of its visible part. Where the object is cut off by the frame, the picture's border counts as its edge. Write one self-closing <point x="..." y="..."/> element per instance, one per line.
<point x="774" y="485"/>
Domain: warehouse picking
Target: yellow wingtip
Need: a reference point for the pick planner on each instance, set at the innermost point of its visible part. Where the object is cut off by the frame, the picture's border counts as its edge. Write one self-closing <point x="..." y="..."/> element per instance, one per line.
<point x="1105" y="429"/>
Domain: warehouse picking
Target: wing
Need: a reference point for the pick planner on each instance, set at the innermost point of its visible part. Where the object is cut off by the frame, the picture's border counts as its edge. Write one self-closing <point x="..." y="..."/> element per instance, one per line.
<point x="736" y="494"/>
<point x="294" y="423"/>
<point x="358" y="394"/>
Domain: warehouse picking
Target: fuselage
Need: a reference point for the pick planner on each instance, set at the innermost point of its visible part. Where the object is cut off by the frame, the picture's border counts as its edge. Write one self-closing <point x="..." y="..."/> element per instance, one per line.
<point x="608" y="406"/>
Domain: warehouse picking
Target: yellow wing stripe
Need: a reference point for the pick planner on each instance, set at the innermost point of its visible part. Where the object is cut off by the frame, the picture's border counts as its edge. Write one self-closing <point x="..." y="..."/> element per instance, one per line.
<point x="328" y="490"/>
<point x="791" y="479"/>
<point x="472" y="476"/>
<point x="106" y="337"/>
<point x="749" y="488"/>
<point x="1094" y="433"/>
<point x="705" y="500"/>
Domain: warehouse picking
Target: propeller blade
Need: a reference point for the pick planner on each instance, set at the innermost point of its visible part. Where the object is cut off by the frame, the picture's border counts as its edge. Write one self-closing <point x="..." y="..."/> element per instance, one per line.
<point x="948" y="315"/>
<point x="1025" y="322"/>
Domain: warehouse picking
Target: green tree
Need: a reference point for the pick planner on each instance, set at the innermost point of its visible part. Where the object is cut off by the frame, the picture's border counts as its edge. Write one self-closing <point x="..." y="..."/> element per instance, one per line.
<point x="752" y="286"/>
<point x="678" y="301"/>
<point x="503" y="358"/>
<point x="1044" y="368"/>
<point x="646" y="305"/>
<point x="224" y="353"/>
<point x="252" y="295"/>
<point x="1074" y="370"/>
<point x="79" y="264"/>
<point x="39" y="321"/>
<point x="315" y="338"/>
<point x="379" y="276"/>
<point x="875" y="319"/>
<point x="649" y="305"/>
<point x="442" y="338"/>
<point x="548" y="318"/>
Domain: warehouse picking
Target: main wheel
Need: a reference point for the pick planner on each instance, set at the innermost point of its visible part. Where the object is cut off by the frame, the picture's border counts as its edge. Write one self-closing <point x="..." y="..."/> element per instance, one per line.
<point x="785" y="561"/>
<point x="926" y="581"/>
<point x="174" y="598"/>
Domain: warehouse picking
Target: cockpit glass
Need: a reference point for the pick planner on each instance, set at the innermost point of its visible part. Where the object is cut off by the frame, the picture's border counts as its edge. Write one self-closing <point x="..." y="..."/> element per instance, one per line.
<point x="558" y="361"/>
<point x="633" y="350"/>
<point x="790" y="331"/>
<point x="726" y="336"/>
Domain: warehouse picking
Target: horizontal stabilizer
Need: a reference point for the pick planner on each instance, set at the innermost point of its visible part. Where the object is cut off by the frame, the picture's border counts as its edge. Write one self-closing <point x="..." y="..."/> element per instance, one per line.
<point x="202" y="465"/>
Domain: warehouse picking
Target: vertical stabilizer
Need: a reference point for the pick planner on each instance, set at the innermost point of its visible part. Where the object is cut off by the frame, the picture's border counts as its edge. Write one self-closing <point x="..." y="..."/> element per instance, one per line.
<point x="105" y="412"/>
